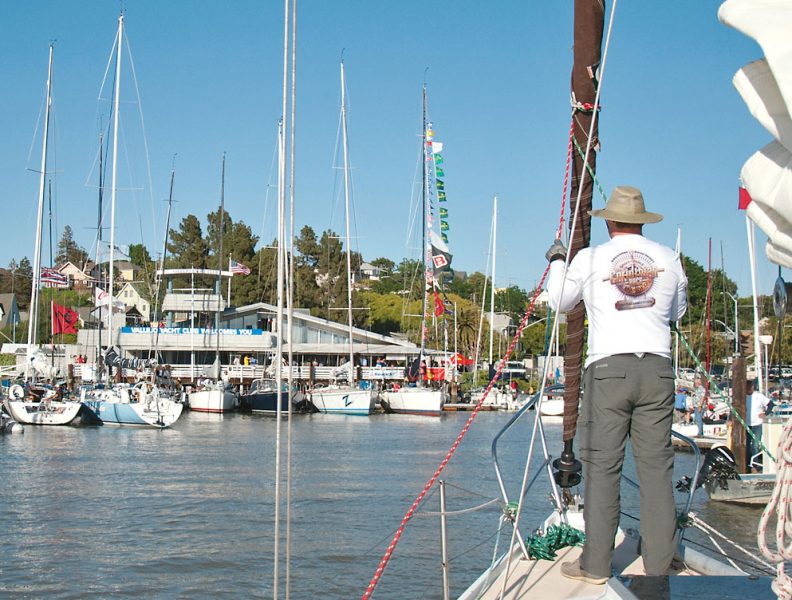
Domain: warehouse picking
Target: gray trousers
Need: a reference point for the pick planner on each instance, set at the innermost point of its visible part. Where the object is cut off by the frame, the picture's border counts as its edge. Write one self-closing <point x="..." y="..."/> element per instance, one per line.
<point x="628" y="396"/>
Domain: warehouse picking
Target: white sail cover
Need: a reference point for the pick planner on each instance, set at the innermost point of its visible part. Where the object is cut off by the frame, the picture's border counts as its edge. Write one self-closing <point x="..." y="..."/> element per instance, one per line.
<point x="766" y="87"/>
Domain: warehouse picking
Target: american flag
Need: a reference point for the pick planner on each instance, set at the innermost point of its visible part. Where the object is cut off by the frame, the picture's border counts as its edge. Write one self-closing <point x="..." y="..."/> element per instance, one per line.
<point x="237" y="268"/>
<point x="53" y="278"/>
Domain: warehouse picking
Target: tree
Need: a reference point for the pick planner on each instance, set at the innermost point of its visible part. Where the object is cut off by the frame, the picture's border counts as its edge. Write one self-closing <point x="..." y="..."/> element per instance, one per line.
<point x="385" y="265"/>
<point x="69" y="250"/>
<point x="187" y="245"/>
<point x="139" y="255"/>
<point x="23" y="282"/>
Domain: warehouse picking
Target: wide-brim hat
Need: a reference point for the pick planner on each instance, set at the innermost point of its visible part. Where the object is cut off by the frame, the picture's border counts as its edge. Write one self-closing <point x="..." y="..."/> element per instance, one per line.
<point x="626" y="205"/>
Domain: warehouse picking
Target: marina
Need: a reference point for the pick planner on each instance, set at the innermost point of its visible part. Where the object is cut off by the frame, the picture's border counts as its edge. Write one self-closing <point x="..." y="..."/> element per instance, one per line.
<point x="208" y="406"/>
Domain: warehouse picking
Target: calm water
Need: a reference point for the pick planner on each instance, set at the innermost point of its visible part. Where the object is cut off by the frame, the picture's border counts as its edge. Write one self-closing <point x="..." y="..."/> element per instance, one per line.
<point x="188" y="512"/>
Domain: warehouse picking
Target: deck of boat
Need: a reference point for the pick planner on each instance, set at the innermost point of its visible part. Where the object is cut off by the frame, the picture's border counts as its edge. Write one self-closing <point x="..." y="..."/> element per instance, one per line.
<point x="543" y="578"/>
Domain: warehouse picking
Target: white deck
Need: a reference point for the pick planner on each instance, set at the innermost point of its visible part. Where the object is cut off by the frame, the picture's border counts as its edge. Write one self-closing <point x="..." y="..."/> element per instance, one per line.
<point x="543" y="578"/>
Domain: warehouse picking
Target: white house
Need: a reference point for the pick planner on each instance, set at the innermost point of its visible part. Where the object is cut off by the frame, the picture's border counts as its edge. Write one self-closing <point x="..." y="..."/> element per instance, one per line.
<point x="77" y="277"/>
<point x="132" y="297"/>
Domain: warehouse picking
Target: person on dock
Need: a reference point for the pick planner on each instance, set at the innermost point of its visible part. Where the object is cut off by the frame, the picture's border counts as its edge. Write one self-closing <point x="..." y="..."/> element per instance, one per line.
<point x="632" y="288"/>
<point x="756" y="404"/>
<point x="681" y="406"/>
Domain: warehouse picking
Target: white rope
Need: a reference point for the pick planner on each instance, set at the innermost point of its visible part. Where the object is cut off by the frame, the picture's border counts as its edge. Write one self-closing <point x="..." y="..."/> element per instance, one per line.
<point x="780" y="504"/>
<point x="710" y="530"/>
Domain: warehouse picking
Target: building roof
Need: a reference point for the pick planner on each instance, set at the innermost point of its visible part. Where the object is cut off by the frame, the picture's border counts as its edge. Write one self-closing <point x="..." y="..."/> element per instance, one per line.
<point x="369" y="337"/>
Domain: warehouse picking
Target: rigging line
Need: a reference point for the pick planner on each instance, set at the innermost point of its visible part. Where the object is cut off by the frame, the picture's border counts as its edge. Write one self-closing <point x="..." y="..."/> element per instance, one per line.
<point x="145" y="139"/>
<point x="576" y="214"/>
<point x="462" y="511"/>
<point x="264" y="213"/>
<point x="467" y="491"/>
<point x="475" y="546"/>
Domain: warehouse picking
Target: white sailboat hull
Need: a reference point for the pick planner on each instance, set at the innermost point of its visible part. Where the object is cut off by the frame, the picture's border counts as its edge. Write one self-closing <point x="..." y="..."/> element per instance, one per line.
<point x="115" y="406"/>
<point x="51" y="412"/>
<point x="213" y="400"/>
<point x="344" y="400"/>
<point x="415" y="401"/>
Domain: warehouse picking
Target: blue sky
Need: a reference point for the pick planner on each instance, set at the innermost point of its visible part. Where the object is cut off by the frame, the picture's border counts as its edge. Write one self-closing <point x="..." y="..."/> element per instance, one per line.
<point x="209" y="75"/>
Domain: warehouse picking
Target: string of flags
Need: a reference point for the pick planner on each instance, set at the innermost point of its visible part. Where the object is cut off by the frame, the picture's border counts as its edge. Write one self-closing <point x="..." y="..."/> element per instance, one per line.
<point x="436" y="185"/>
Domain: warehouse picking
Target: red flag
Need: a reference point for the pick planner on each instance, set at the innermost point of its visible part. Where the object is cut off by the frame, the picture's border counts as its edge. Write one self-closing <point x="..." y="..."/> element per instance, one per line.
<point x="439" y="308"/>
<point x="745" y="199"/>
<point x="63" y="319"/>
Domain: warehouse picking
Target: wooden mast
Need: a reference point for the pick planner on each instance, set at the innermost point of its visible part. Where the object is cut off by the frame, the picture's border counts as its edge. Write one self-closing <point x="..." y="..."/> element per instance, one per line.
<point x="589" y="23"/>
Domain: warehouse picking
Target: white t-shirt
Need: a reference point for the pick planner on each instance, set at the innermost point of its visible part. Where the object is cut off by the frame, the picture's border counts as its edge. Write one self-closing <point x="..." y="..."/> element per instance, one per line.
<point x="756" y="406"/>
<point x="632" y="287"/>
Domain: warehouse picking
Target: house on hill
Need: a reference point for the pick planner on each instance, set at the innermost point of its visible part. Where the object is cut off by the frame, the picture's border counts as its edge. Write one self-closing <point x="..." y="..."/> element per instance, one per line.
<point x="77" y="277"/>
<point x="131" y="294"/>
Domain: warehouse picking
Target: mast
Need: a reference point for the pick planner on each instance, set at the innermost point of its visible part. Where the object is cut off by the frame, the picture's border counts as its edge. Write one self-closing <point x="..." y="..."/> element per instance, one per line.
<point x="114" y="178"/>
<point x="708" y="357"/>
<point x="424" y="225"/>
<point x="757" y="346"/>
<point x="99" y="241"/>
<point x="588" y="28"/>
<point x="220" y="268"/>
<point x="34" y="290"/>
<point x="492" y="283"/>
<point x="162" y="263"/>
<point x="345" y="141"/>
<point x="52" y="290"/>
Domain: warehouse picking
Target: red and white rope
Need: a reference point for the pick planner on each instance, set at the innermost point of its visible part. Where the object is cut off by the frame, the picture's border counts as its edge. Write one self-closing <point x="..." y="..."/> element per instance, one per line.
<point x="781" y="505"/>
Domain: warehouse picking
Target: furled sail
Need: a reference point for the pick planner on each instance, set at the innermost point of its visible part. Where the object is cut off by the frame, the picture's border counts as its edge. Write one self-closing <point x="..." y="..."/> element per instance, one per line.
<point x="766" y="87"/>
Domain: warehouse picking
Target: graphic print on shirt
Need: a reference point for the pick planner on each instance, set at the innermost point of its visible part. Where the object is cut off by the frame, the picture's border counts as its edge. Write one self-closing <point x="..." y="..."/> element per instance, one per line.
<point x="633" y="273"/>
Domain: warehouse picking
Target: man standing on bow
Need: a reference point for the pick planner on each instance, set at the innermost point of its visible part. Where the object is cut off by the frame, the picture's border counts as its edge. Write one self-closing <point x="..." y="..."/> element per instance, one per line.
<point x="633" y="288"/>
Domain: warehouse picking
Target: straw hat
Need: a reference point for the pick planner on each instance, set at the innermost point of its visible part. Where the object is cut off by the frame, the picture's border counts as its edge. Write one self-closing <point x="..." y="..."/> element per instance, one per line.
<point x="626" y="205"/>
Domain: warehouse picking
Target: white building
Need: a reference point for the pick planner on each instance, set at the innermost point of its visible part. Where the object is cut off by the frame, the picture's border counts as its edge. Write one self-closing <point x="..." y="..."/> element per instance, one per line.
<point x="130" y="294"/>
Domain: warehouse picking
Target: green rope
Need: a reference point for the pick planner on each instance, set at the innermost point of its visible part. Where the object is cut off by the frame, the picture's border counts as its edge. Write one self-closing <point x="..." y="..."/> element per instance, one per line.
<point x="544" y="546"/>
<point x="590" y="171"/>
<point x="721" y="396"/>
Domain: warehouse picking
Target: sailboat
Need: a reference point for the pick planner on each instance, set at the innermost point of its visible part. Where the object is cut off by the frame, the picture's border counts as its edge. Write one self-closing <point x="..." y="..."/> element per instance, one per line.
<point x="421" y="400"/>
<point x="124" y="404"/>
<point x="215" y="395"/>
<point x="345" y="399"/>
<point x="497" y="398"/>
<point x="47" y="409"/>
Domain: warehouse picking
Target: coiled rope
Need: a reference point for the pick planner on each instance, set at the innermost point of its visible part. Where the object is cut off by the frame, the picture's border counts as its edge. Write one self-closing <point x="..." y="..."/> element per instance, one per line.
<point x="781" y="505"/>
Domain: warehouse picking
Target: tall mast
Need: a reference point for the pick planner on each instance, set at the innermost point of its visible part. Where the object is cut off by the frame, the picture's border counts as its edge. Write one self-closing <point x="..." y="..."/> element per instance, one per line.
<point x="162" y="264"/>
<point x="757" y="346"/>
<point x="99" y="238"/>
<point x="424" y="224"/>
<point x="346" y="212"/>
<point x="589" y="23"/>
<point x="114" y="177"/>
<point x="492" y="282"/>
<point x="220" y="267"/>
<point x="34" y="290"/>
<point x="708" y="357"/>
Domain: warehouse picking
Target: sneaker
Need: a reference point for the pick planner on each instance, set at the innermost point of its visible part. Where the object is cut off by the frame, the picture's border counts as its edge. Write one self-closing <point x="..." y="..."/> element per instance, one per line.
<point x="573" y="570"/>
